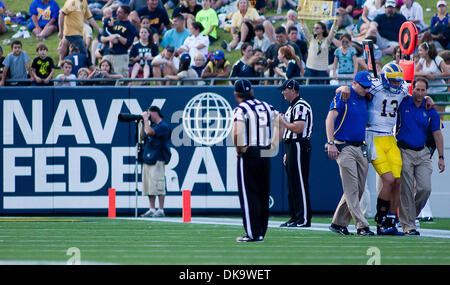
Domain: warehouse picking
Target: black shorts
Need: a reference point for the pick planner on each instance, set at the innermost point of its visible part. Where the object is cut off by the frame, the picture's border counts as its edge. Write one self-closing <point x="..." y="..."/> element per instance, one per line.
<point x="251" y="33"/>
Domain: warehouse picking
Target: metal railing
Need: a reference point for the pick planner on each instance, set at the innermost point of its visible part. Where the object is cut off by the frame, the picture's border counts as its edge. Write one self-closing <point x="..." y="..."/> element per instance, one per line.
<point x="126" y="82"/>
<point x="213" y="80"/>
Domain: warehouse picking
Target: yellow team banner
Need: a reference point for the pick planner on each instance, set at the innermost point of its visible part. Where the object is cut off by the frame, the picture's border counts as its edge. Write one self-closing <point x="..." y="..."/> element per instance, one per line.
<point x="317" y="10"/>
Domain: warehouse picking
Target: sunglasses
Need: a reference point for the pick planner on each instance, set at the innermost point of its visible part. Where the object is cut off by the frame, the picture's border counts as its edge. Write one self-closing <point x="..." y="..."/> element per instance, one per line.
<point x="319" y="49"/>
<point x="364" y="87"/>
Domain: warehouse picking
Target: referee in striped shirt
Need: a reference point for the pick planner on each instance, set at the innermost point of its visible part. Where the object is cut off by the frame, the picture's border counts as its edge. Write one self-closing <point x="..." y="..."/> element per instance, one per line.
<point x="298" y="126"/>
<point x="253" y="123"/>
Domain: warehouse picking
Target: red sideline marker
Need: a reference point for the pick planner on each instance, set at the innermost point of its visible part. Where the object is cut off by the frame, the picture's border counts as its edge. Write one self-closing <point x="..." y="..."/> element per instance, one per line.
<point x="186" y="206"/>
<point x="112" y="203"/>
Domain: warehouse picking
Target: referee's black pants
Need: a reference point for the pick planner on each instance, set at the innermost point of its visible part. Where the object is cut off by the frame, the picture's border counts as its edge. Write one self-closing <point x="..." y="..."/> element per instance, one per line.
<point x="298" y="155"/>
<point x="253" y="175"/>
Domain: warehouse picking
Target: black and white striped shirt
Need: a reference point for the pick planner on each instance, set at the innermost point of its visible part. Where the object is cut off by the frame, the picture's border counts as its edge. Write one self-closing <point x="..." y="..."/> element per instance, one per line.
<point x="299" y="110"/>
<point x="257" y="117"/>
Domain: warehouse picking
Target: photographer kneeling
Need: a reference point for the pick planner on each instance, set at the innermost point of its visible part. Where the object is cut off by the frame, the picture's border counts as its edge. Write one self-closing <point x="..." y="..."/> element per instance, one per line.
<point x="156" y="135"/>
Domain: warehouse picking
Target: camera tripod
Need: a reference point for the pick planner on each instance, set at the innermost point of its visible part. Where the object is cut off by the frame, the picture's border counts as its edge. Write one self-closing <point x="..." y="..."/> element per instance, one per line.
<point x="137" y="161"/>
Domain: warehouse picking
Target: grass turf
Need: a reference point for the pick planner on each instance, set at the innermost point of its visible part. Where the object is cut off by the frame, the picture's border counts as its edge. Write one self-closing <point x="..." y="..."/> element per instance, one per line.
<point x="118" y="241"/>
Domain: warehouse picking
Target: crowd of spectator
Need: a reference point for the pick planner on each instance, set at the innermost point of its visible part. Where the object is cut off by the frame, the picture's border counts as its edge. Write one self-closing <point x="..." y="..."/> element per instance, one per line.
<point x="139" y="39"/>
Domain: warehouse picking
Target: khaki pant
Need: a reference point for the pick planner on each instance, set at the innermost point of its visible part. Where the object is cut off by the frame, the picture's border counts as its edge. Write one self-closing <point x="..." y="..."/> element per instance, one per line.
<point x="153" y="179"/>
<point x="353" y="167"/>
<point x="416" y="185"/>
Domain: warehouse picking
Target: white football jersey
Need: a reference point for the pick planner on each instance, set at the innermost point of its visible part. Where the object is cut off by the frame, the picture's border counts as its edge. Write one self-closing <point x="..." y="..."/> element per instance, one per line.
<point x="383" y="107"/>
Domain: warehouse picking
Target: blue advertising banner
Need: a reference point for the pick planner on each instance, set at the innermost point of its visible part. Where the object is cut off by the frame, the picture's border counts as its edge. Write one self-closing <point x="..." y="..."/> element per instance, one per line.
<point x="63" y="148"/>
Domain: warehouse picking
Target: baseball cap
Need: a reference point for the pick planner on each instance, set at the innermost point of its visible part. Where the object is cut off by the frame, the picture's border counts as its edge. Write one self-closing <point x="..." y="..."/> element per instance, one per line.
<point x="441" y="2"/>
<point x="170" y="48"/>
<point x="218" y="55"/>
<point x="242" y="86"/>
<point x="155" y="109"/>
<point x="185" y="57"/>
<point x="290" y="84"/>
<point x="390" y="3"/>
<point x="363" y="78"/>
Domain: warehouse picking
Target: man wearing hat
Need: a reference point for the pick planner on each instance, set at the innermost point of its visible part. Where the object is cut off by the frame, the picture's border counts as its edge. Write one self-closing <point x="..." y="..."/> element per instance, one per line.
<point x="218" y="67"/>
<point x="297" y="126"/>
<point x="252" y="133"/>
<point x="346" y="130"/>
<point x="386" y="27"/>
<point x="165" y="63"/>
<point x="440" y="29"/>
<point x="156" y="135"/>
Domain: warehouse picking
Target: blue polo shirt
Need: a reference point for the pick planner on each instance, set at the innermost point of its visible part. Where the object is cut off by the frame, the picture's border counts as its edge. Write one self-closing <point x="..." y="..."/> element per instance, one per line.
<point x="350" y="124"/>
<point x="413" y="122"/>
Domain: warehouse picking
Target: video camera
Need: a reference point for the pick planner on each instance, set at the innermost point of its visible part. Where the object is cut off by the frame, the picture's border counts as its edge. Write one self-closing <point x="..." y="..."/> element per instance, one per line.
<point x="124" y="117"/>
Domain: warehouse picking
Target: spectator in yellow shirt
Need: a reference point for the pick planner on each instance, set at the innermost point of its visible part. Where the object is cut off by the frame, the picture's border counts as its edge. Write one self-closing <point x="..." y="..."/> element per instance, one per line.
<point x="242" y="26"/>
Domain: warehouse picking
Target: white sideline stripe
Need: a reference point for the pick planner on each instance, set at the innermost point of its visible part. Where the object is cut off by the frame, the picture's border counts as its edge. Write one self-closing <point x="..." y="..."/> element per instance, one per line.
<point x="122" y="202"/>
<point x="276" y="224"/>
<point x="302" y="186"/>
<point x="244" y="196"/>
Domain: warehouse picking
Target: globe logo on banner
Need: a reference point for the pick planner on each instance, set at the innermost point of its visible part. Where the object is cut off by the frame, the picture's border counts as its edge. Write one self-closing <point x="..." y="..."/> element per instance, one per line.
<point x="207" y="118"/>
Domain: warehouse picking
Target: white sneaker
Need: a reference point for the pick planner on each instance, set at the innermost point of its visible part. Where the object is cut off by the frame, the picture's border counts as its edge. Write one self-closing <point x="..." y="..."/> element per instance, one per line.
<point x="225" y="46"/>
<point x="17" y="35"/>
<point x="150" y="213"/>
<point x="278" y="11"/>
<point x="159" y="214"/>
<point x="239" y="45"/>
<point x="26" y="35"/>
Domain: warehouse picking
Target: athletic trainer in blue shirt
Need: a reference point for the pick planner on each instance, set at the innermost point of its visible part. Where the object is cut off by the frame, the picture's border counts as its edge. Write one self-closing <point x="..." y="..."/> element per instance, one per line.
<point x="345" y="127"/>
<point x="413" y="123"/>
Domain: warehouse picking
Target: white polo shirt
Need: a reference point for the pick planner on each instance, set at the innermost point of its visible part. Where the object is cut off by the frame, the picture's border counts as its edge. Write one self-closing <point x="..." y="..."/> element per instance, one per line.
<point x="415" y="12"/>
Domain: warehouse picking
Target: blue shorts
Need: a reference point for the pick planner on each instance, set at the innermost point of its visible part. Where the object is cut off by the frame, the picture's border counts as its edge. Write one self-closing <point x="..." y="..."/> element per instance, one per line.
<point x="31" y="26"/>
<point x="78" y="41"/>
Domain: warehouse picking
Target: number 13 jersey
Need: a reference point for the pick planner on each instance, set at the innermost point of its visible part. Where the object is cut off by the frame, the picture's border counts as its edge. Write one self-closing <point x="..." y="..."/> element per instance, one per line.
<point x="383" y="107"/>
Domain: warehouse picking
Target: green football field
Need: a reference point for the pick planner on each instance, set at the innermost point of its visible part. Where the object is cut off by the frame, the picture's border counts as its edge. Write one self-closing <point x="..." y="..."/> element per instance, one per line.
<point x="208" y="241"/>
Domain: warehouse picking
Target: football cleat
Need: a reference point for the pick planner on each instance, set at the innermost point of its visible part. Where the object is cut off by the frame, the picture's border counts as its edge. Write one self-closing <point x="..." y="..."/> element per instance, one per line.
<point x="364" y="232"/>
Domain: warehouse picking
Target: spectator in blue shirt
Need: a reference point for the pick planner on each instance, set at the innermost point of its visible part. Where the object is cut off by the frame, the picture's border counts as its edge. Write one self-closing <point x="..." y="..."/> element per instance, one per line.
<point x="159" y="19"/>
<point x="44" y="18"/>
<point x="122" y="36"/>
<point x="440" y="29"/>
<point x="16" y="65"/>
<point x="79" y="60"/>
<point x="413" y="125"/>
<point x="177" y="35"/>
<point x="386" y="27"/>
<point x="3" y="28"/>
<point x="441" y="17"/>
